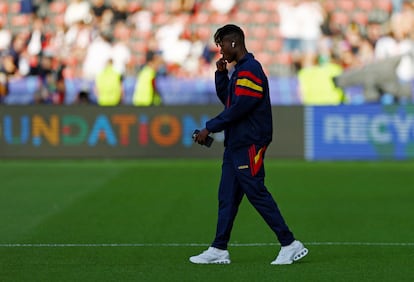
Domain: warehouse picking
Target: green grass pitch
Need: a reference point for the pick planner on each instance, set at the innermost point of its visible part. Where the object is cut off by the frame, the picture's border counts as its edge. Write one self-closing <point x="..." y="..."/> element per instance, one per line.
<point x="140" y="220"/>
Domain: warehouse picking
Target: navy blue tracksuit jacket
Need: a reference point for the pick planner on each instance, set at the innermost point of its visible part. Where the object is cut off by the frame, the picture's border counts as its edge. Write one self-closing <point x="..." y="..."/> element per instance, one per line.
<point x="247" y="118"/>
<point x="247" y="124"/>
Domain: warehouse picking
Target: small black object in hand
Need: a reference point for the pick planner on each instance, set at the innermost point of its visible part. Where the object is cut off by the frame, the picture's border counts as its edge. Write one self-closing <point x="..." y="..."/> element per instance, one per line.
<point x="209" y="139"/>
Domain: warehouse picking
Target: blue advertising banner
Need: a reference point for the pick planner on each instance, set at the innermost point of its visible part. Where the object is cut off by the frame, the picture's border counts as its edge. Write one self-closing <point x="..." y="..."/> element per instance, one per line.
<point x="365" y="132"/>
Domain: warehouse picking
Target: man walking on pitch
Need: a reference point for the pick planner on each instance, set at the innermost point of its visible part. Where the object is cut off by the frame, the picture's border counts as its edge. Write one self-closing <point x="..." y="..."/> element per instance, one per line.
<point x="247" y="124"/>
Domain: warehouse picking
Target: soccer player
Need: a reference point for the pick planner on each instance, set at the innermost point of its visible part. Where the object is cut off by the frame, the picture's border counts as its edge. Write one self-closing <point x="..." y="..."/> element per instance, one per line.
<point x="247" y="124"/>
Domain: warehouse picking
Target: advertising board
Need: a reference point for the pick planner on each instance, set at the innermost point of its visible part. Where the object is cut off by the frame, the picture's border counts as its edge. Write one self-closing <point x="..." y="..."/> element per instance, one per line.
<point x="128" y="132"/>
<point x="366" y="132"/>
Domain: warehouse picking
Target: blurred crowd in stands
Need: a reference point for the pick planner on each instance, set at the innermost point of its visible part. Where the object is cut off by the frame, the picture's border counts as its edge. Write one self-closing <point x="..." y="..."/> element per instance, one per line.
<point x="66" y="39"/>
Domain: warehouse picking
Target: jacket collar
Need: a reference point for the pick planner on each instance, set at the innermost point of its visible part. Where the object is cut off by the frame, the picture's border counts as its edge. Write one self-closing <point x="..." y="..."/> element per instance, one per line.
<point x="246" y="57"/>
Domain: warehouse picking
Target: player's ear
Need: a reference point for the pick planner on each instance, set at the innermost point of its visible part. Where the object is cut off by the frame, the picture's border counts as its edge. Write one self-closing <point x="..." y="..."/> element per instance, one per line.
<point x="233" y="44"/>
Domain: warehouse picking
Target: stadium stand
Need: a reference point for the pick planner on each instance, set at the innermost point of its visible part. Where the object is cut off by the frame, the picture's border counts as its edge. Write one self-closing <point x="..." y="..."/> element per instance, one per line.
<point x="259" y="18"/>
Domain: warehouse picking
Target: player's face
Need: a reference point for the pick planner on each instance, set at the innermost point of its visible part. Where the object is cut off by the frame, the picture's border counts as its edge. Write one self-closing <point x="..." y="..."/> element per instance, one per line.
<point x="226" y="49"/>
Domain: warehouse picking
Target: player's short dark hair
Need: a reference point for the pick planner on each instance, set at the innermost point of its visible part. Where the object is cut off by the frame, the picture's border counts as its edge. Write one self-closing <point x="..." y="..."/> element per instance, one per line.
<point x="230" y="29"/>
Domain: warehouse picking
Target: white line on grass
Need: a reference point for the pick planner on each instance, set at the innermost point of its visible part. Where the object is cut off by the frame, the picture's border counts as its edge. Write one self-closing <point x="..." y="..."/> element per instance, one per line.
<point x="51" y="245"/>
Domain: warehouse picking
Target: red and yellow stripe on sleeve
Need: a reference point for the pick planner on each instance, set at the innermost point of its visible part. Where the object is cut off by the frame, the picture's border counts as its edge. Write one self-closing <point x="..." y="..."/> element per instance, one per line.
<point x="248" y="84"/>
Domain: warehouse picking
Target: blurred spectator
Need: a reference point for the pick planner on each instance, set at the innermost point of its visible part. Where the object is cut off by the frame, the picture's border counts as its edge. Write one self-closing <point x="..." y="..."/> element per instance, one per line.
<point x="375" y="27"/>
<point x="358" y="50"/>
<point x="5" y="38"/>
<point x="108" y="86"/>
<point x="106" y="22"/>
<point x="365" y="53"/>
<point x="78" y="38"/>
<point x="8" y="65"/>
<point x="301" y="28"/>
<point x="328" y="27"/>
<point x="193" y="63"/>
<point x="98" y="8"/>
<point x="223" y="6"/>
<point x="77" y="11"/>
<point x="36" y="43"/>
<point x="174" y="48"/>
<point x="57" y="42"/>
<point x="353" y="50"/>
<point x="184" y="6"/>
<point x="51" y="86"/>
<point x="289" y="27"/>
<point x="146" y="91"/>
<point x="97" y="55"/>
<point x="398" y="43"/>
<point x="7" y="70"/>
<point x="37" y="39"/>
<point x="18" y="52"/>
<point x="142" y="19"/>
<point x="121" y="52"/>
<point x="310" y="16"/>
<point x="119" y="10"/>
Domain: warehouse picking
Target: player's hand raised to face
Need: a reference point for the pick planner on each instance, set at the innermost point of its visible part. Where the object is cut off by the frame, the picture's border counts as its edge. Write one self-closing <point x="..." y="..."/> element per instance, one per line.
<point x="221" y="64"/>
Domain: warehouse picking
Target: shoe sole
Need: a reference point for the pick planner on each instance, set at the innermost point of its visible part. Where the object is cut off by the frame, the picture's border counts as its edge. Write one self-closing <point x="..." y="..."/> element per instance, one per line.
<point x="301" y="254"/>
<point x="212" y="262"/>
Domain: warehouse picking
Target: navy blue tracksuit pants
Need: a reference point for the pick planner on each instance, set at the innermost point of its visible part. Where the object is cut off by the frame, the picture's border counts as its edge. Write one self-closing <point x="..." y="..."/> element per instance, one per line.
<point x="243" y="174"/>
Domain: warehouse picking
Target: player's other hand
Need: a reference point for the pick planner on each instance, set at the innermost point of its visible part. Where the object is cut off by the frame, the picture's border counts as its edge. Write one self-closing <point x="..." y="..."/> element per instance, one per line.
<point x="200" y="138"/>
<point x="221" y="64"/>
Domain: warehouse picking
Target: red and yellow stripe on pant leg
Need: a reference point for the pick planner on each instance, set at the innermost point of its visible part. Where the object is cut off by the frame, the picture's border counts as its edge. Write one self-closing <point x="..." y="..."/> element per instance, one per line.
<point x="256" y="158"/>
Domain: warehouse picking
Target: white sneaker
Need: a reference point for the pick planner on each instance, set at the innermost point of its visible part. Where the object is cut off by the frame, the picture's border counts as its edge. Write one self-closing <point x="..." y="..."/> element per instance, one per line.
<point x="212" y="255"/>
<point x="291" y="253"/>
